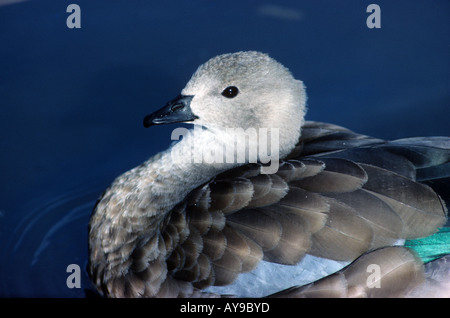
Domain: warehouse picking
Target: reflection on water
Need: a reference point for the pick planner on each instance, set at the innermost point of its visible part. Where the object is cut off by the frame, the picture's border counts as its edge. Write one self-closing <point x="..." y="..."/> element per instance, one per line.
<point x="45" y="241"/>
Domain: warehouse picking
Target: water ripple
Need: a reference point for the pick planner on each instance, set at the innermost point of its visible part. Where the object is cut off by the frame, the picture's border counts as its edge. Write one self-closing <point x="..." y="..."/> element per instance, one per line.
<point x="47" y="239"/>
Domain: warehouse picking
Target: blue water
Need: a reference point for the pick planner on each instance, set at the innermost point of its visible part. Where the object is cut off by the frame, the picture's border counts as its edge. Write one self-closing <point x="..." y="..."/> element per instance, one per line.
<point x="72" y="100"/>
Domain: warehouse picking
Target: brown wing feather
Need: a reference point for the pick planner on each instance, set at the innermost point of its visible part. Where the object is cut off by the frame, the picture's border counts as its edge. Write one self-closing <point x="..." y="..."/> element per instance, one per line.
<point x="345" y="235"/>
<point x="339" y="175"/>
<point x="419" y="207"/>
<point x="386" y="272"/>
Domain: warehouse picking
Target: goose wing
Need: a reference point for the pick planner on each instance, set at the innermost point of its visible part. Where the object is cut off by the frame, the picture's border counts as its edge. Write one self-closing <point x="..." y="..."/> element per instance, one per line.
<point x="386" y="272"/>
<point x="338" y="195"/>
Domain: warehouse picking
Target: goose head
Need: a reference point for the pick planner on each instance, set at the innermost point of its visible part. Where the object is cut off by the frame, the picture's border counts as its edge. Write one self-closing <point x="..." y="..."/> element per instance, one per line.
<point x="240" y="90"/>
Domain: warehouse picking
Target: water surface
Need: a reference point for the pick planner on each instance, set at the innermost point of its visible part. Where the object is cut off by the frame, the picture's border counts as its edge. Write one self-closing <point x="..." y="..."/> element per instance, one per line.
<point x="72" y="100"/>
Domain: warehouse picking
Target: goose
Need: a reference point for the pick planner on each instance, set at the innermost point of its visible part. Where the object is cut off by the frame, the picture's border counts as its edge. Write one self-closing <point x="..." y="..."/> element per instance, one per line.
<point x="253" y="184"/>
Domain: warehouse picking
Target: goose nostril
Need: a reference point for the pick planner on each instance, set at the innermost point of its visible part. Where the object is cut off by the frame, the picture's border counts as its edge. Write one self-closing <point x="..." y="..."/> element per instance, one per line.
<point x="177" y="107"/>
<point x="175" y="111"/>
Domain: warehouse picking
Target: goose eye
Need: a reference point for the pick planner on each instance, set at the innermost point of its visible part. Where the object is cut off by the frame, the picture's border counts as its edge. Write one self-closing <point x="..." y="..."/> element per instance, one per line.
<point x="230" y="92"/>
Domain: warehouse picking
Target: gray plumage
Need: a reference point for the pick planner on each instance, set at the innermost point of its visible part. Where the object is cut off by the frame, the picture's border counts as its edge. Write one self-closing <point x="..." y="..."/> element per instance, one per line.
<point x="172" y="227"/>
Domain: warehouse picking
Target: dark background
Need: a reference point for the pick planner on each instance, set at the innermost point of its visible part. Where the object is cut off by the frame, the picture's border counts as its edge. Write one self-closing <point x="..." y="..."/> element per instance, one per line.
<point x="72" y="100"/>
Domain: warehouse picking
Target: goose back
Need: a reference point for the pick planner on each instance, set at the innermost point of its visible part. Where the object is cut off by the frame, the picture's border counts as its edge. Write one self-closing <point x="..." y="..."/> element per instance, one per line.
<point x="337" y="195"/>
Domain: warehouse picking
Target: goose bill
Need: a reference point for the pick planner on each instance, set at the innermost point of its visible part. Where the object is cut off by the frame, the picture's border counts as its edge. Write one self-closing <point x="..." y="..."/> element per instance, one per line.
<point x="178" y="110"/>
